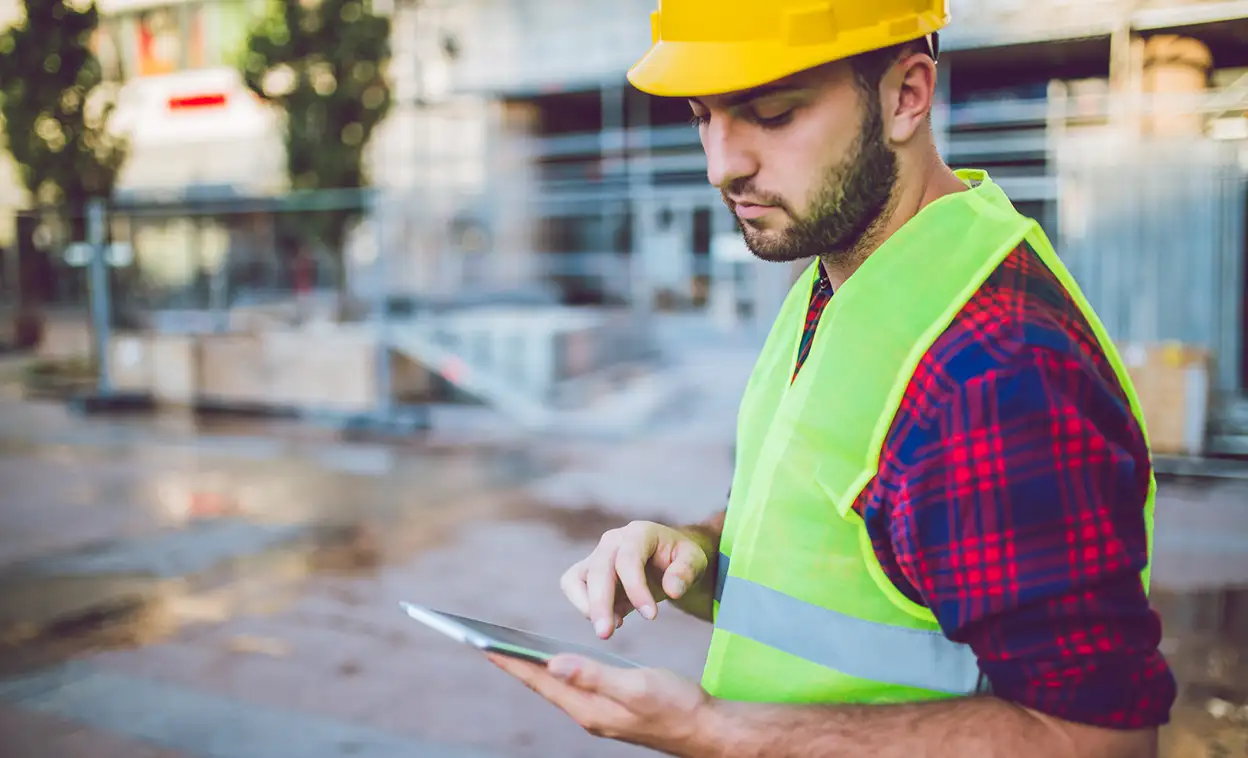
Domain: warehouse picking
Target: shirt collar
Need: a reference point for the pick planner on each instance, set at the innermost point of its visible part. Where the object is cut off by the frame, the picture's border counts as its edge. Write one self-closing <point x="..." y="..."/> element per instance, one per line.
<point x="824" y="283"/>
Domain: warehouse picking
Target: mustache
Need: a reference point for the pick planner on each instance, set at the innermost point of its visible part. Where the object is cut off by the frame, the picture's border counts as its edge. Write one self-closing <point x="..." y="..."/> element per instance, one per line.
<point x="745" y="192"/>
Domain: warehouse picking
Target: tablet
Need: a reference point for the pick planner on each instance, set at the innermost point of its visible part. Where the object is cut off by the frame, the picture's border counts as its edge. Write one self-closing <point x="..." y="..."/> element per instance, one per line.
<point x="505" y="640"/>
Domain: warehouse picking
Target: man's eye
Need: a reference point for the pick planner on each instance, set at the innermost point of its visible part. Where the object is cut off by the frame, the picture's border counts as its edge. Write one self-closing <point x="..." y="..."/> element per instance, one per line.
<point x="700" y="119"/>
<point x="771" y="120"/>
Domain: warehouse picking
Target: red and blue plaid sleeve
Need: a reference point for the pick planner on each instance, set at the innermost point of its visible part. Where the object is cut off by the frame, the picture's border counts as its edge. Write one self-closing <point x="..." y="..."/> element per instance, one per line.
<point x="1019" y="521"/>
<point x="1010" y="500"/>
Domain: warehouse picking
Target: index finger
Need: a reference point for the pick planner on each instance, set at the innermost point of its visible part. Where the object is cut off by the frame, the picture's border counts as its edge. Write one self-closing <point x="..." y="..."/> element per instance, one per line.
<point x="574" y="589"/>
<point x="630" y="567"/>
<point x="600" y="583"/>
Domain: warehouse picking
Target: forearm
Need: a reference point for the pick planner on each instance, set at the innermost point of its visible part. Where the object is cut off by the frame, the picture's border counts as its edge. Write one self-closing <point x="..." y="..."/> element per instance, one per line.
<point x="698" y="601"/>
<point x="979" y="726"/>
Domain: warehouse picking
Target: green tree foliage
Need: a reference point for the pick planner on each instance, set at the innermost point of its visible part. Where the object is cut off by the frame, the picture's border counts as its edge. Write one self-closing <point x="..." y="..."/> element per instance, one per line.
<point x="56" y="106"/>
<point x="323" y="64"/>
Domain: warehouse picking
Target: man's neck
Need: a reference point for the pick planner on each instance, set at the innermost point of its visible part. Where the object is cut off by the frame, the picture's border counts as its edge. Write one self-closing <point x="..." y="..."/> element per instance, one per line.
<point x="913" y="195"/>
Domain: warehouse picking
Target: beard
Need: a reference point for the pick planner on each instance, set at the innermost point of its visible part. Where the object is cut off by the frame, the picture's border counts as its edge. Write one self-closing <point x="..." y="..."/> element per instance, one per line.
<point x="852" y="198"/>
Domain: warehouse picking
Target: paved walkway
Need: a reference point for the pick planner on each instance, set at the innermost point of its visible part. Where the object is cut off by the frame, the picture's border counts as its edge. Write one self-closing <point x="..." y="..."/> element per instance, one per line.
<point x="306" y="653"/>
<point x="25" y="732"/>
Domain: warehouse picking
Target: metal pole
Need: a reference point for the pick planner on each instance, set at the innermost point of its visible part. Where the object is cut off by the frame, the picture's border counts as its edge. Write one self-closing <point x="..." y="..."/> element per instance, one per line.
<point x="641" y="195"/>
<point x="385" y="390"/>
<point x="1120" y="77"/>
<point x="611" y="154"/>
<point x="218" y="283"/>
<point x="100" y="307"/>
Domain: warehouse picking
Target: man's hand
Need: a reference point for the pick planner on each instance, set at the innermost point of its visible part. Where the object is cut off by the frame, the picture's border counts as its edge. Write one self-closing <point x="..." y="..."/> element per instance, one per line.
<point x="661" y="711"/>
<point x="649" y="707"/>
<point x="634" y="567"/>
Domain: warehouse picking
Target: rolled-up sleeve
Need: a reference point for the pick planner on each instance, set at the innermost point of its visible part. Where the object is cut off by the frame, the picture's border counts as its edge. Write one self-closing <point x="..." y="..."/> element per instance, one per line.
<point x="1021" y="525"/>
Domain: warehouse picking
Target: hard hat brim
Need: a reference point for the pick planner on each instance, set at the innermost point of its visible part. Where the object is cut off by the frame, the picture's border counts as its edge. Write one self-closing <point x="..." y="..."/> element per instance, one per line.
<point x="694" y="69"/>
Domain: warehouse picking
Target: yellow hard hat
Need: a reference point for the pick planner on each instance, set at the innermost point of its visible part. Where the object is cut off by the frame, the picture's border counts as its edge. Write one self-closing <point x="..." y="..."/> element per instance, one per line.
<point x="708" y="47"/>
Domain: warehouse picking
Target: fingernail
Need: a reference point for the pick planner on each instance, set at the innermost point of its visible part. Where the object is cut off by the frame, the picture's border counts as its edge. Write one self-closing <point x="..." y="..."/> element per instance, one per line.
<point x="679" y="586"/>
<point x="648" y="611"/>
<point x="602" y="627"/>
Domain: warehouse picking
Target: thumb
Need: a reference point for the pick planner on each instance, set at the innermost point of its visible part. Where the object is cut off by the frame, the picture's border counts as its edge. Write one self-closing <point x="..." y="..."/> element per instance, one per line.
<point x="687" y="565"/>
<point x="620" y="685"/>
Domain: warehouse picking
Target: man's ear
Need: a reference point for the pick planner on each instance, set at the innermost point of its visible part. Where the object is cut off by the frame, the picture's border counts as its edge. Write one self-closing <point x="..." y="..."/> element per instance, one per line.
<point x="907" y="92"/>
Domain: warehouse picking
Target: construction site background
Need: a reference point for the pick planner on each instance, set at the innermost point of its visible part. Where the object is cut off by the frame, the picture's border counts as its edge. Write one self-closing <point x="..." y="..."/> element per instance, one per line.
<point x="231" y="448"/>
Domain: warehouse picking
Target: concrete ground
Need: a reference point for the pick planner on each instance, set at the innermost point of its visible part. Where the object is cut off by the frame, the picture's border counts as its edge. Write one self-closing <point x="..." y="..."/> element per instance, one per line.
<point x="232" y="594"/>
<point x="229" y="595"/>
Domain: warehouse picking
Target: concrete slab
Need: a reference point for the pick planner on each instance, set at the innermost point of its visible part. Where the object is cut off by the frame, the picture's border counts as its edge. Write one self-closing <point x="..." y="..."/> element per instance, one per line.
<point x="203" y="724"/>
<point x="175" y="553"/>
<point x="25" y="734"/>
<point x="118" y="579"/>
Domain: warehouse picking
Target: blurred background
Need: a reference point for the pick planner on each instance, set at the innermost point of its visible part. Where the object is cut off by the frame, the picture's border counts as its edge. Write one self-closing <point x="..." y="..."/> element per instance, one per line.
<point x="311" y="306"/>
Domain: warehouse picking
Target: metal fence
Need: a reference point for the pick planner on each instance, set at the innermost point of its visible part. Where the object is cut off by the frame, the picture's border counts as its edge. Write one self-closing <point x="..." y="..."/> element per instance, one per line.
<point x="164" y="257"/>
<point x="212" y="256"/>
<point x="44" y="296"/>
<point x="409" y="290"/>
<point x="1153" y="230"/>
<point x="395" y="251"/>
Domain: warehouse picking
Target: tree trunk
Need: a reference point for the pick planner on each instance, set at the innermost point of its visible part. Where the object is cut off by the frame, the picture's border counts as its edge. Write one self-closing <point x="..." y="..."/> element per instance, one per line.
<point x="28" y="321"/>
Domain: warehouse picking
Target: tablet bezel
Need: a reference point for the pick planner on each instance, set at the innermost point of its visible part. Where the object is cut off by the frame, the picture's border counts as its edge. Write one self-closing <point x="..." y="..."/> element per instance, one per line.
<point x="462" y="629"/>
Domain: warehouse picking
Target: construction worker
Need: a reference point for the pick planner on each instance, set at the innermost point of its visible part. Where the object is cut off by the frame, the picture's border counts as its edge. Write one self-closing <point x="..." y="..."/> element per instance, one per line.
<point x="938" y="536"/>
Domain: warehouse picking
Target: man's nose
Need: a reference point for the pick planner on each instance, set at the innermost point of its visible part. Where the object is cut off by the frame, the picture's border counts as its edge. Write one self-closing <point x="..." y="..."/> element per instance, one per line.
<point x="729" y="157"/>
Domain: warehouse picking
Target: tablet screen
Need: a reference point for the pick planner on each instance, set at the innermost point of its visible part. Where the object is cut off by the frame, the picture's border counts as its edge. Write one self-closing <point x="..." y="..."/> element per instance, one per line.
<point x="506" y="640"/>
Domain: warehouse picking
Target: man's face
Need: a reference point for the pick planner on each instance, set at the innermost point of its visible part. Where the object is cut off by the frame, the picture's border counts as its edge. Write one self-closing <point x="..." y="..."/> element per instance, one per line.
<point x="802" y="164"/>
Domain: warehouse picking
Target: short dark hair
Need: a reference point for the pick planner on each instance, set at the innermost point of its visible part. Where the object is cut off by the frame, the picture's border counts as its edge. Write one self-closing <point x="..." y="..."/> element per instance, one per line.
<point x="869" y="67"/>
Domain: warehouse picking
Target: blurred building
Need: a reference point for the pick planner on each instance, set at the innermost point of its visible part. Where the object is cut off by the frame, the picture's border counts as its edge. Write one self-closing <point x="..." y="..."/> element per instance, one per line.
<point x="199" y="195"/>
<point x="517" y="155"/>
<point x="1119" y="125"/>
<point x="192" y="122"/>
<point x="207" y="160"/>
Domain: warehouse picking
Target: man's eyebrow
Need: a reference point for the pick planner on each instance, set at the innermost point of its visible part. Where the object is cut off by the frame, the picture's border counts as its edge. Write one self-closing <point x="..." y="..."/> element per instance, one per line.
<point x="738" y="99"/>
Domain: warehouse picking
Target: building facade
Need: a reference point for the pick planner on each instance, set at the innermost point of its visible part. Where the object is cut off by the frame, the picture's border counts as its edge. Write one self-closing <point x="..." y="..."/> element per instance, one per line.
<point x="1051" y="96"/>
<point x="517" y="154"/>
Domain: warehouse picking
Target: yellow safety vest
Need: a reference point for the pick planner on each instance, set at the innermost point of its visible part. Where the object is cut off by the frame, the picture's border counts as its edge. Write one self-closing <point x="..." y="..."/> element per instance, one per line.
<point x="805" y="613"/>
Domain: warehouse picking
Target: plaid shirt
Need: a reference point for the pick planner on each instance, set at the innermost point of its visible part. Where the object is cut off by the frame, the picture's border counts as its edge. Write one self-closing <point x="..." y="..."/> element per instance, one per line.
<point x="1009" y="500"/>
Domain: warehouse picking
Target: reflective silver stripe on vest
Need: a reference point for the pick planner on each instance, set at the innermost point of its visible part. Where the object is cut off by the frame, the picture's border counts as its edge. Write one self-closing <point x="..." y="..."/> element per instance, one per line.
<point x="864" y="649"/>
